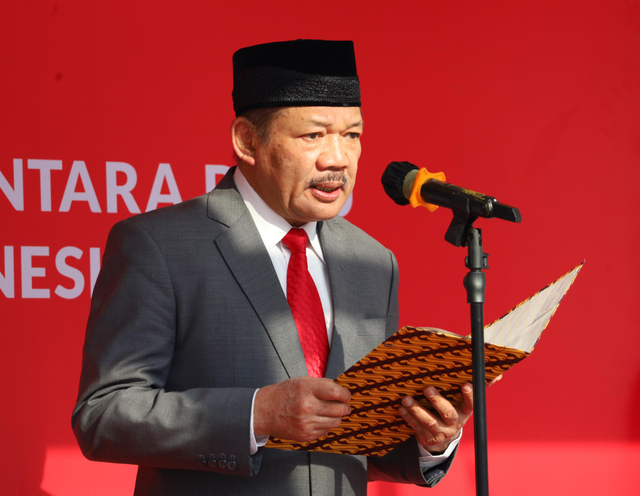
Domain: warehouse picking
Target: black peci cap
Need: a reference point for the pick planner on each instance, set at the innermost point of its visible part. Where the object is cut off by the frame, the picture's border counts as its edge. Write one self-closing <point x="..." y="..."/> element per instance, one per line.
<point x="296" y="73"/>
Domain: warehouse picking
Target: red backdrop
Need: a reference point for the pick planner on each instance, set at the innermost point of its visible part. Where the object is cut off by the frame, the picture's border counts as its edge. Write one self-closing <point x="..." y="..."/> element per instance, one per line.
<point x="536" y="103"/>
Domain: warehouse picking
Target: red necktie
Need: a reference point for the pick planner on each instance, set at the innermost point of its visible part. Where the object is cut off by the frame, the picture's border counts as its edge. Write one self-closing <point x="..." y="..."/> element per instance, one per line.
<point x="305" y="304"/>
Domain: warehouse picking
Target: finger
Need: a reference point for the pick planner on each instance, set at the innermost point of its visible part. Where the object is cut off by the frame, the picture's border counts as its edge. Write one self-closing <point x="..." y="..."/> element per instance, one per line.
<point x="326" y="389"/>
<point x="424" y="418"/>
<point x="312" y="429"/>
<point x="333" y="409"/>
<point x="424" y="423"/>
<point x="466" y="407"/>
<point x="443" y="406"/>
<point x="497" y="379"/>
<point x="325" y="424"/>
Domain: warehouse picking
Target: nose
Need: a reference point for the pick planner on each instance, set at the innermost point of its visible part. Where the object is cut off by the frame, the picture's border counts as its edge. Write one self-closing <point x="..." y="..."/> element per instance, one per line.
<point x="334" y="153"/>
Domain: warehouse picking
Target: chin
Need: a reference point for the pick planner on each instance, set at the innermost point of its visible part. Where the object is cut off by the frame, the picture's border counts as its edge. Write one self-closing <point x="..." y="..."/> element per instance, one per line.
<point x="315" y="215"/>
<point x="328" y="213"/>
<point x="319" y="211"/>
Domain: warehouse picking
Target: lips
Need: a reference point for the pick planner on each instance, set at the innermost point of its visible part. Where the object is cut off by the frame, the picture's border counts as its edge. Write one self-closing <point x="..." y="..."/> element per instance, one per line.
<point x="326" y="191"/>
<point x="328" y="186"/>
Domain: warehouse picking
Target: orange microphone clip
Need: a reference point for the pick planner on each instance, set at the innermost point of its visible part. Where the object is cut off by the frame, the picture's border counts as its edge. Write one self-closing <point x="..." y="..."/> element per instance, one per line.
<point x="422" y="177"/>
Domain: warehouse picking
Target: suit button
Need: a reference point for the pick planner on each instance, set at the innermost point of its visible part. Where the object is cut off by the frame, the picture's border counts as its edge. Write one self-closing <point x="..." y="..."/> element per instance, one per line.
<point x="212" y="461"/>
<point x="202" y="463"/>
<point x="232" y="462"/>
<point x="223" y="461"/>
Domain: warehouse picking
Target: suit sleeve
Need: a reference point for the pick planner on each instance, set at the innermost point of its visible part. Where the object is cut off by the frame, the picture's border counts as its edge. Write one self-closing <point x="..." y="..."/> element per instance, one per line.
<point x="123" y="413"/>
<point x="402" y="463"/>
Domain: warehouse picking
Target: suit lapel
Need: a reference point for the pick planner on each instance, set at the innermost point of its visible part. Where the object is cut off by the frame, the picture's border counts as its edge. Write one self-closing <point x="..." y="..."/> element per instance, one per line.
<point x="247" y="258"/>
<point x="341" y="263"/>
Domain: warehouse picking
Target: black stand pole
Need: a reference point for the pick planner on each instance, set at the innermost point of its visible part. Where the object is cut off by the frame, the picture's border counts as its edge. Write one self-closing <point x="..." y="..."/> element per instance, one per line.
<point x="462" y="233"/>
<point x="475" y="283"/>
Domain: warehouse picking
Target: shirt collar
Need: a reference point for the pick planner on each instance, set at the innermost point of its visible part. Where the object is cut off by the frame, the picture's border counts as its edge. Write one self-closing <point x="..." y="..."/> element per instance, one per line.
<point x="271" y="226"/>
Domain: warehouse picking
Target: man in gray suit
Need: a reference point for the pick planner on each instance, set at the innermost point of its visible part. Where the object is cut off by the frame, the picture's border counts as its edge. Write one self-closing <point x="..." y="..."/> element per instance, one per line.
<point x="195" y="353"/>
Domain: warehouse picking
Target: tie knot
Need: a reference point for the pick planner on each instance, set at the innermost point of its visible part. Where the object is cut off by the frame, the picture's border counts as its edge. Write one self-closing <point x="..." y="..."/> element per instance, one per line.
<point x="296" y="240"/>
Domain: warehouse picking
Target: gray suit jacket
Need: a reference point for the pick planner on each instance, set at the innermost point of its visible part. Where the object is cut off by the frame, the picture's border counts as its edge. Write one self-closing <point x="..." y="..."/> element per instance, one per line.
<point x="188" y="319"/>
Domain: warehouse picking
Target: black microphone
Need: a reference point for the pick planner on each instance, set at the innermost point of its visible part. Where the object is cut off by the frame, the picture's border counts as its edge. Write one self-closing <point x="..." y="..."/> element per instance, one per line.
<point x="407" y="184"/>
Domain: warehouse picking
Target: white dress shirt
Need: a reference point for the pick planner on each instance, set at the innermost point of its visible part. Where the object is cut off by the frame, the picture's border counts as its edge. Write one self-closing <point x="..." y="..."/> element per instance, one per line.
<point x="272" y="228"/>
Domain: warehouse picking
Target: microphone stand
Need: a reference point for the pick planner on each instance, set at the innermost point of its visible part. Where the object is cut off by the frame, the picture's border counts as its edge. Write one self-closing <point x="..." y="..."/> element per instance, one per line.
<point x="467" y="206"/>
<point x="462" y="233"/>
<point x="474" y="283"/>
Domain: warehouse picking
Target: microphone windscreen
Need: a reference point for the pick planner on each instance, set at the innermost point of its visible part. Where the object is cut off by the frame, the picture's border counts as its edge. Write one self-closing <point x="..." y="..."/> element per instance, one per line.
<point x="393" y="180"/>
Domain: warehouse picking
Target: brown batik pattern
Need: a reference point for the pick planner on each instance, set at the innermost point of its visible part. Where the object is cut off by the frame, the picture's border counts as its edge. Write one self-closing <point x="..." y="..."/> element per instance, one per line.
<point x="403" y="365"/>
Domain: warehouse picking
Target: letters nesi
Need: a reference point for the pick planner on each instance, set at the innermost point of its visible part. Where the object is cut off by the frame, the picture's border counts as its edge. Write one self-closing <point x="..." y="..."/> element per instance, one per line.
<point x="31" y="270"/>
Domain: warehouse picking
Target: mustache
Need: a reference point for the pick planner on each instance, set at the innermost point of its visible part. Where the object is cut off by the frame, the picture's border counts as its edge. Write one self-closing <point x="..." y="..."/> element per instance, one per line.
<point x="331" y="176"/>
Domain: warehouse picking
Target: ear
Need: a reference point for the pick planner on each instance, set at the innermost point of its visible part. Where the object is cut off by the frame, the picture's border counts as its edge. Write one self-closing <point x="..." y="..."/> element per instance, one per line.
<point x="242" y="140"/>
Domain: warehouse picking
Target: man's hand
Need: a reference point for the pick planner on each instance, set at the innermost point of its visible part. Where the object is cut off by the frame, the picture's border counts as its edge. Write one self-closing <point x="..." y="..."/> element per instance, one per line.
<point x="435" y="431"/>
<point x="300" y="409"/>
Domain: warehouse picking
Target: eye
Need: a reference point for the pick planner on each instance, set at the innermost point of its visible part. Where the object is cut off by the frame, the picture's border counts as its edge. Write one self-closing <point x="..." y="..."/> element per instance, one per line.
<point x="353" y="136"/>
<point x="312" y="136"/>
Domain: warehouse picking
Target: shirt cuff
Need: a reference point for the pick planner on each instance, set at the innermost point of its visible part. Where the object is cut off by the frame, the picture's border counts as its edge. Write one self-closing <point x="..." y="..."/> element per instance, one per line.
<point x="255" y="442"/>
<point x="427" y="460"/>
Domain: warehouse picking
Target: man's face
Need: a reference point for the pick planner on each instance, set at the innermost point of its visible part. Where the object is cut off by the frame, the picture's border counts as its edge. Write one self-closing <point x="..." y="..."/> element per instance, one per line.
<point x="307" y="169"/>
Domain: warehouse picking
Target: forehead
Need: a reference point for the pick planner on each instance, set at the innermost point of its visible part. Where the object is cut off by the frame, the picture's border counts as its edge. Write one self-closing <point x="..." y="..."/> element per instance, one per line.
<point x="329" y="117"/>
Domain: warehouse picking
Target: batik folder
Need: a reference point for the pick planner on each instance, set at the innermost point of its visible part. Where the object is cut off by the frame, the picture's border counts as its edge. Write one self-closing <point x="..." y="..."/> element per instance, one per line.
<point x="414" y="358"/>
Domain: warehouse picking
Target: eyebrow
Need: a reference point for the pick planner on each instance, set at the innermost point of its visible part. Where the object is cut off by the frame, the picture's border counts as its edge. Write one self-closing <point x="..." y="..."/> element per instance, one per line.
<point x="358" y="123"/>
